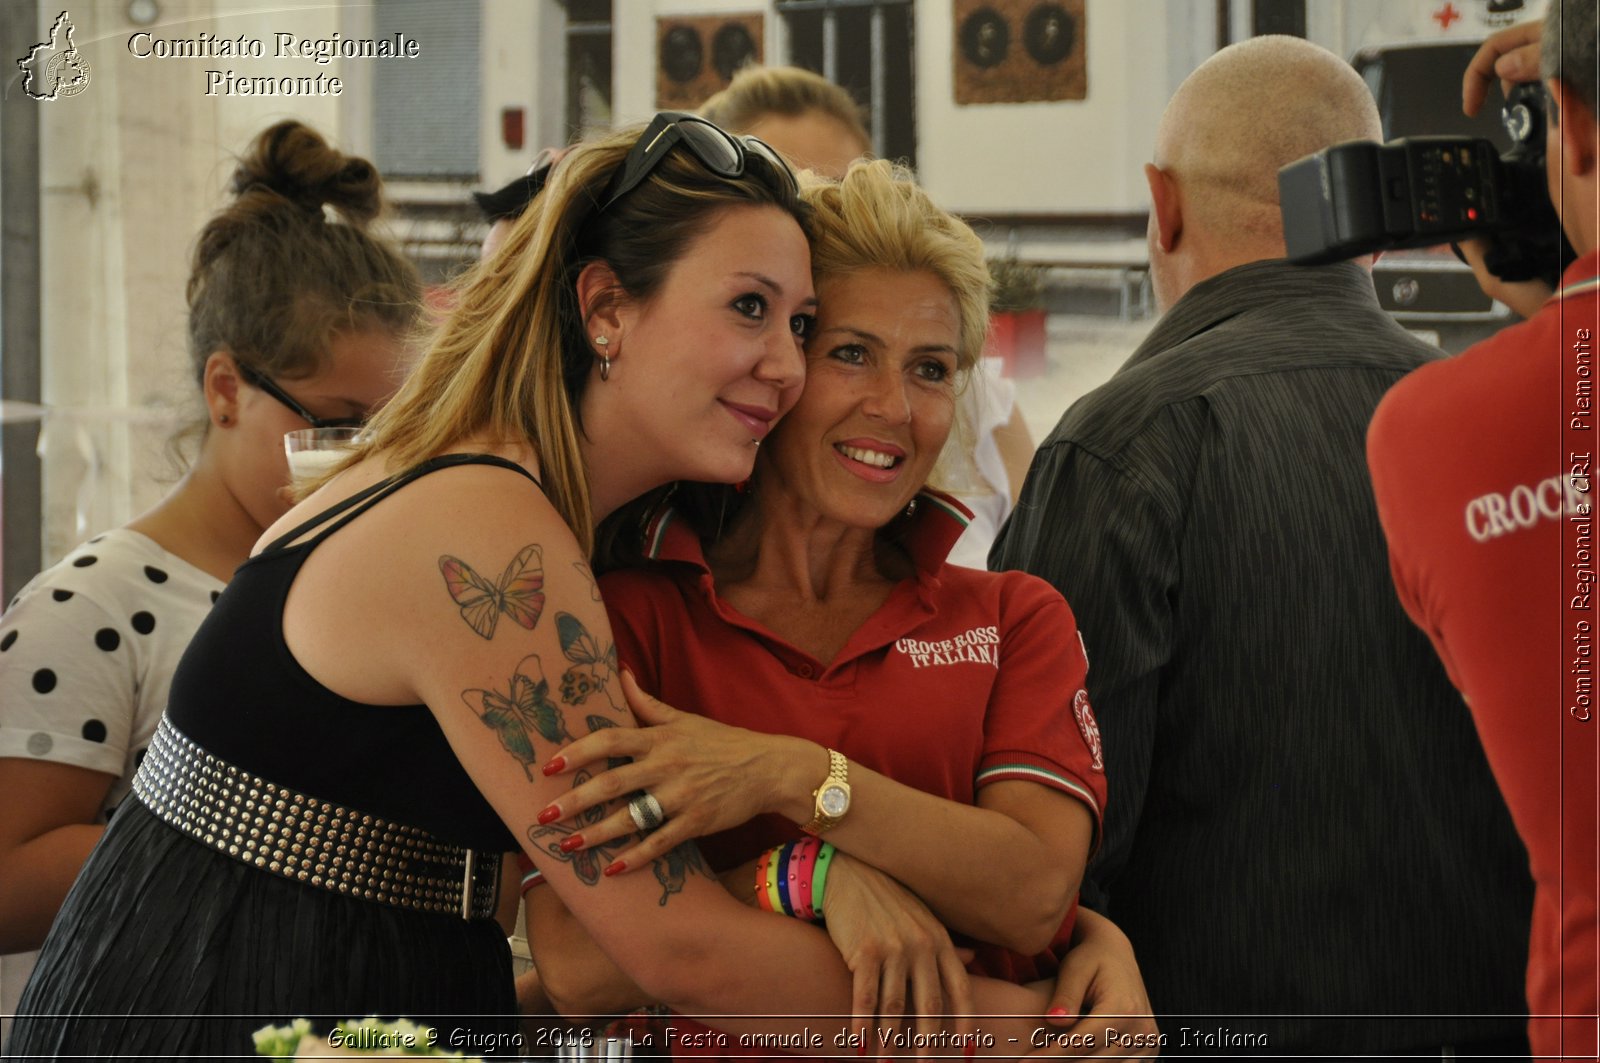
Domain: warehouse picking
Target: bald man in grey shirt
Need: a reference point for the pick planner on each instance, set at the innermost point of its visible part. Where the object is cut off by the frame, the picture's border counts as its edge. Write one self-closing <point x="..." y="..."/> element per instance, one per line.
<point x="1302" y="837"/>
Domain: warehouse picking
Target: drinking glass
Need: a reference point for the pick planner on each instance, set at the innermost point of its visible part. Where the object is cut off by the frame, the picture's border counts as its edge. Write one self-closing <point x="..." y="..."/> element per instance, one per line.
<point x="313" y="451"/>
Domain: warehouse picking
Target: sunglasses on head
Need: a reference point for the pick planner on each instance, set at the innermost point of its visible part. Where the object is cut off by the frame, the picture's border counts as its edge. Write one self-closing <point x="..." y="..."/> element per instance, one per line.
<point x="262" y="383"/>
<point x="717" y="150"/>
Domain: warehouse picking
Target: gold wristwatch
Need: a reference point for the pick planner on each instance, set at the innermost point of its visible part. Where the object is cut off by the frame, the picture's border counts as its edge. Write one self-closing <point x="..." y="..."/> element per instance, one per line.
<point x="832" y="797"/>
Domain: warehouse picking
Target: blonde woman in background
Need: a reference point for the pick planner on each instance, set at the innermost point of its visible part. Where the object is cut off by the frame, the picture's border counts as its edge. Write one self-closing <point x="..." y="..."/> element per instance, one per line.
<point x="819" y="126"/>
<point x="295" y="320"/>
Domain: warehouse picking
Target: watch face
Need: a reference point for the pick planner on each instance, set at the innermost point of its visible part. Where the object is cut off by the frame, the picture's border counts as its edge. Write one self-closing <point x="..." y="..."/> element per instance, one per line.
<point x="835" y="801"/>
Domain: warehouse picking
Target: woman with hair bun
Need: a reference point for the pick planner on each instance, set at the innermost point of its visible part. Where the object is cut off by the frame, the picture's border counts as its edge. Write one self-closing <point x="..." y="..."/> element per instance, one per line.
<point x="294" y="319"/>
<point x="356" y="732"/>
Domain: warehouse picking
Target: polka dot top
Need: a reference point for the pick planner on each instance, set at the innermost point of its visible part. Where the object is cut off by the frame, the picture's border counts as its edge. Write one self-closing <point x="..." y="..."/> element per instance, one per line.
<point x="87" y="652"/>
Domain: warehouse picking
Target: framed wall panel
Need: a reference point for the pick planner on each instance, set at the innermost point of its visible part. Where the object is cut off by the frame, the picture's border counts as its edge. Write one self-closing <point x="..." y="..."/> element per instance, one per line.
<point x="1019" y="51"/>
<point x="698" y="56"/>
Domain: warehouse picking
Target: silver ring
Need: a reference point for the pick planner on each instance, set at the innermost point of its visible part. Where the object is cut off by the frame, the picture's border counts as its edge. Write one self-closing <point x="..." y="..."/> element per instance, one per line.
<point x="646" y="812"/>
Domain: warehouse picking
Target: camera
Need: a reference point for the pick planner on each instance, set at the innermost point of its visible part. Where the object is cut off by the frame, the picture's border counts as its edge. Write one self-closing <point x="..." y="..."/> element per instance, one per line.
<point x="1359" y="197"/>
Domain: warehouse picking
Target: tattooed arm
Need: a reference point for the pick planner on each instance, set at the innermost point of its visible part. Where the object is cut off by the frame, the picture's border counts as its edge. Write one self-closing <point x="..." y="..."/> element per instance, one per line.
<point x="900" y="958"/>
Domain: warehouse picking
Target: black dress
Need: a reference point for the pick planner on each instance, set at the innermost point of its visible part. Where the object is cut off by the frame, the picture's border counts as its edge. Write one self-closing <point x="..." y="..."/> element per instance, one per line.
<point x="168" y="947"/>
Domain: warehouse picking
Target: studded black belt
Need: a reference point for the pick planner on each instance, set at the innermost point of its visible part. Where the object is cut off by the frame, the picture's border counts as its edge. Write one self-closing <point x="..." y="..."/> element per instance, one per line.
<point x="298" y="837"/>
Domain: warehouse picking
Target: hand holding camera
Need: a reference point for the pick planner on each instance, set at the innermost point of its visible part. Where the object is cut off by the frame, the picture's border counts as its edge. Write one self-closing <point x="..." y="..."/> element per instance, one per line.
<point x="1360" y="197"/>
<point x="1512" y="55"/>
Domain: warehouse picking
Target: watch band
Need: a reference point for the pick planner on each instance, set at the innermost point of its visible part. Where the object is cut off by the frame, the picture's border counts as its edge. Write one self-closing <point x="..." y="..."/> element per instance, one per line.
<point x="838" y="777"/>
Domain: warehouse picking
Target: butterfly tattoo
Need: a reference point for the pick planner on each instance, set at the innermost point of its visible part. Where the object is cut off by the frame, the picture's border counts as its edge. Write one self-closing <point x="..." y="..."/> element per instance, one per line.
<point x="580" y="647"/>
<point x="586" y="863"/>
<point x="592" y="668"/>
<point x="674" y="868"/>
<point x="523" y="712"/>
<point x="518" y="593"/>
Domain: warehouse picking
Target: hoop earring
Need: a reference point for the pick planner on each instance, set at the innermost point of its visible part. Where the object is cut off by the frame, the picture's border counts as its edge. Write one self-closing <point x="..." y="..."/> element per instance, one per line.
<point x="605" y="363"/>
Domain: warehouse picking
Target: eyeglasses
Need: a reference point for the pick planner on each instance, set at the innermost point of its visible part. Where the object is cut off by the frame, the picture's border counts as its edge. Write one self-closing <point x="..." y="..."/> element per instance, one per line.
<point x="261" y="383"/>
<point x="718" y="151"/>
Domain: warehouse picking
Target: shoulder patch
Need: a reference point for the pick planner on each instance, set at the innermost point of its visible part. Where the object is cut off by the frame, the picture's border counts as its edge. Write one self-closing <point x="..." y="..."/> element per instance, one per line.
<point x="1089" y="729"/>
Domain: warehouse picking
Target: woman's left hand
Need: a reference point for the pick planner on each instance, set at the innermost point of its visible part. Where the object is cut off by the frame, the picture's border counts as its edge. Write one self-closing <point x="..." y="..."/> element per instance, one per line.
<point x="1099" y="1006"/>
<point x="900" y="956"/>
<point x="707" y="777"/>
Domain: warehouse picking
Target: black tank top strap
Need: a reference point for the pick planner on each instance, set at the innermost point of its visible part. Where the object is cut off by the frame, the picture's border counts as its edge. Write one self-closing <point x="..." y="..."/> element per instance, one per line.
<point x="351" y="508"/>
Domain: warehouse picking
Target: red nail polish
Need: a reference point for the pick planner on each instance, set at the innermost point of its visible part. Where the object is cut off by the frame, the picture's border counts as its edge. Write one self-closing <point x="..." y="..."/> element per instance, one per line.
<point x="616" y="869"/>
<point x="556" y="766"/>
<point x="1057" y="1012"/>
<point x="571" y="842"/>
<point x="549" y="815"/>
<point x="862" y="1050"/>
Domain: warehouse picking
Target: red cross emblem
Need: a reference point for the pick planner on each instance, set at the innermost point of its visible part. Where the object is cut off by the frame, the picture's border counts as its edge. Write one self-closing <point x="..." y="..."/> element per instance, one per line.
<point x="1089" y="729"/>
<point x="1446" y="15"/>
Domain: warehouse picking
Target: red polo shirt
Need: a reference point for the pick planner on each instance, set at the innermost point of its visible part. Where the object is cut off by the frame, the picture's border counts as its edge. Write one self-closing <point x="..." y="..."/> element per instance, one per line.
<point x="962" y="678"/>
<point x="1482" y="466"/>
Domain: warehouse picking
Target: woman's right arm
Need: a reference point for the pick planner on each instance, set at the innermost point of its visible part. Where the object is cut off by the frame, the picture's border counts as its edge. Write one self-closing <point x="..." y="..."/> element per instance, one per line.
<point x="582" y="982"/>
<point x="900" y="957"/>
<point x="58" y="680"/>
<point x="47" y="814"/>
<point x="507" y="702"/>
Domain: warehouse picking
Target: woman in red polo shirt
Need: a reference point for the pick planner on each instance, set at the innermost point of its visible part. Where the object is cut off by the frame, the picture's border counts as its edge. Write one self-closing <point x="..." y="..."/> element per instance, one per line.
<point x="930" y="720"/>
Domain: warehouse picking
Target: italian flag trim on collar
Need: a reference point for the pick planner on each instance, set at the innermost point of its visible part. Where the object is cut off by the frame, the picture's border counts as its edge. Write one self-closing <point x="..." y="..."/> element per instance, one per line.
<point x="1577" y="287"/>
<point x="656" y="533"/>
<point x="942" y="501"/>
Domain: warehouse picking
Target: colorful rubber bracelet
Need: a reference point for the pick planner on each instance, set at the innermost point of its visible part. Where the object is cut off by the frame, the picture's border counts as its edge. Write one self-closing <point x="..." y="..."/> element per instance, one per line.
<point x="774" y="901"/>
<point x="761" y="881"/>
<point x="801" y="866"/>
<point x="819" y="879"/>
<point x="784" y="876"/>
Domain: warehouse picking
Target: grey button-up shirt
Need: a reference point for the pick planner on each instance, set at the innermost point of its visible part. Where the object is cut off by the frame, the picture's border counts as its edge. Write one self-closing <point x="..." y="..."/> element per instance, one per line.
<point x="1300" y="819"/>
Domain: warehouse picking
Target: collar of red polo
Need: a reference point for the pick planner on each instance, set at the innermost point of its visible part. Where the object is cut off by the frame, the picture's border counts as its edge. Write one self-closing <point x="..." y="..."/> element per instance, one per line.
<point x="927" y="534"/>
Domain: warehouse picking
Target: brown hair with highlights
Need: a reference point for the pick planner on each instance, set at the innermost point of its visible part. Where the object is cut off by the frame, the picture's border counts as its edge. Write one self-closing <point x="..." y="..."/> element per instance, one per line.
<point x="512" y="360"/>
<point x="274" y="278"/>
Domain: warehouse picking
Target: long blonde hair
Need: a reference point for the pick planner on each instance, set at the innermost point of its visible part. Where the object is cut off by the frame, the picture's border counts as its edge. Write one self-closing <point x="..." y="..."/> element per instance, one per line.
<point x="878" y="217"/>
<point x="512" y="360"/>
